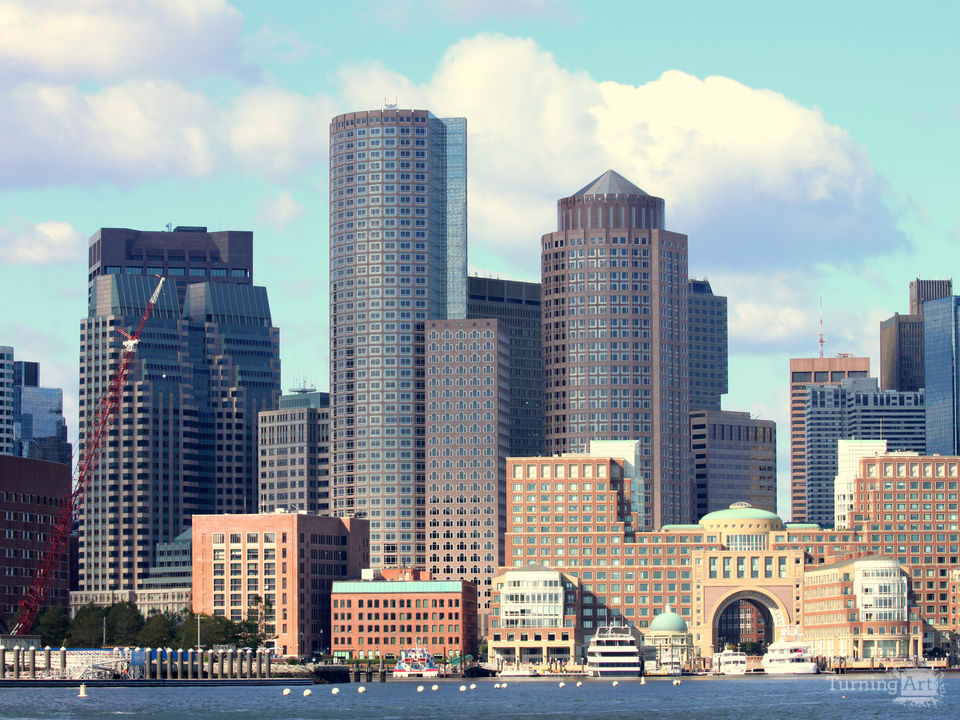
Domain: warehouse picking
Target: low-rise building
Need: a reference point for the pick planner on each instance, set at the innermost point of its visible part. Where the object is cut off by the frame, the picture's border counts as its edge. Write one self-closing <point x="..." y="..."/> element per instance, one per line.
<point x="668" y="633"/>
<point x="277" y="568"/>
<point x="397" y="609"/>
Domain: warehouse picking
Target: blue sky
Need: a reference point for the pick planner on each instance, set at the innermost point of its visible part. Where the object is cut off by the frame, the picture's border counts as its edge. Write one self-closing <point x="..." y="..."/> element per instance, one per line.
<point x="808" y="150"/>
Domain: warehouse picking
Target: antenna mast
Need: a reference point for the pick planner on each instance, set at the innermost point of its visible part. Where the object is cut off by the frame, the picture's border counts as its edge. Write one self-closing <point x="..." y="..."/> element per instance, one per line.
<point x="821" y="341"/>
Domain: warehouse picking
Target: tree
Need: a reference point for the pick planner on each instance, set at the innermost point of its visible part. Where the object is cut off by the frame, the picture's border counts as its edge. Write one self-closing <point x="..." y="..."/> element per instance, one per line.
<point x="124" y="622"/>
<point x="52" y="627"/>
<point x="86" y="630"/>
<point x="156" y="632"/>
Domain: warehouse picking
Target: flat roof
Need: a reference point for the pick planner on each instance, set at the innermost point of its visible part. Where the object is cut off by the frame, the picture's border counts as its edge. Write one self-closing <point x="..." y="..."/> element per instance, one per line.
<point x="383" y="587"/>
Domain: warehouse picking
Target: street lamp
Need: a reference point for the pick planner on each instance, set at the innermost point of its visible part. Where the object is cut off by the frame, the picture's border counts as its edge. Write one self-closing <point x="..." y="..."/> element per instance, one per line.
<point x="198" y="631"/>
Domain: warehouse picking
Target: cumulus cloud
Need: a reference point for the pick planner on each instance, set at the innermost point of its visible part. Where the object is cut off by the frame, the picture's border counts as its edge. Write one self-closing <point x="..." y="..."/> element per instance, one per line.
<point x="62" y="40"/>
<point x="281" y="209"/>
<point x="42" y="242"/>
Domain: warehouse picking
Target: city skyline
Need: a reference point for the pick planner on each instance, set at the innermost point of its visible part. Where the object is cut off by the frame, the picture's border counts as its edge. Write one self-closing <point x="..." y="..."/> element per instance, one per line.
<point x="218" y="117"/>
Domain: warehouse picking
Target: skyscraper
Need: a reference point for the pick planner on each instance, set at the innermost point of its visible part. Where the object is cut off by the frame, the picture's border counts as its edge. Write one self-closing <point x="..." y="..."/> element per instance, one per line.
<point x="398" y="258"/>
<point x="615" y="337"/>
<point x="708" y="347"/>
<point x="40" y="429"/>
<point x="6" y="400"/>
<point x="901" y="338"/>
<point x="941" y="338"/>
<point x="803" y="372"/>
<point x="856" y="409"/>
<point x="184" y="440"/>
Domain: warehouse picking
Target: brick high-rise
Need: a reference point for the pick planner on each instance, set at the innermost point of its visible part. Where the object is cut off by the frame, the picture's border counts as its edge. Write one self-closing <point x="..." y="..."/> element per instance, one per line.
<point x="615" y="334"/>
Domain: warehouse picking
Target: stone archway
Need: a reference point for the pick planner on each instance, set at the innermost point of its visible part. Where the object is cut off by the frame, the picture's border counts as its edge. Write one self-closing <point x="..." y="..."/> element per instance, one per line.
<point x="767" y="602"/>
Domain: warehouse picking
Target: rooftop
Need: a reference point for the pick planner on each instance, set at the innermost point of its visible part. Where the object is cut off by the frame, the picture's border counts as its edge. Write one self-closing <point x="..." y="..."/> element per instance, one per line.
<point x="610" y="183"/>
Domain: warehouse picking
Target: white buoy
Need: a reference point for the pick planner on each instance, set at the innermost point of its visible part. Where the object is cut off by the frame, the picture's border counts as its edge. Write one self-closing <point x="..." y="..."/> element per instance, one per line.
<point x="496" y="686"/>
<point x="463" y="688"/>
<point x="83" y="691"/>
<point x="473" y="686"/>
<point x="307" y="693"/>
<point x="286" y="691"/>
<point x="579" y="684"/>
<point x="643" y="680"/>
<point x="503" y="685"/>
<point x="562" y="684"/>
<point x="361" y="689"/>
<point x="419" y="688"/>
<point x="335" y="691"/>
<point x="434" y="687"/>
<point x="615" y="683"/>
<point x="676" y="682"/>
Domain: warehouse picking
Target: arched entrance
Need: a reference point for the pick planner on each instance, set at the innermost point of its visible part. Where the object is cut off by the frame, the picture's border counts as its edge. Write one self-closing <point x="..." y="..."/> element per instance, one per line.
<point x="747" y="616"/>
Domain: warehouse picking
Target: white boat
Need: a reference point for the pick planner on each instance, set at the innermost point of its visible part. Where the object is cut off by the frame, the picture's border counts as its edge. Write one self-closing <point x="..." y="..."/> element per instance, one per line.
<point x="416" y="663"/>
<point x="617" y="651"/>
<point x="789" y="656"/>
<point x="515" y="672"/>
<point x="730" y="662"/>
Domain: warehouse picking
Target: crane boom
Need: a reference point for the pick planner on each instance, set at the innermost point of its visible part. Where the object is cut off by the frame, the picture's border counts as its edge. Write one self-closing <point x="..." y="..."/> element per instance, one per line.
<point x="89" y="459"/>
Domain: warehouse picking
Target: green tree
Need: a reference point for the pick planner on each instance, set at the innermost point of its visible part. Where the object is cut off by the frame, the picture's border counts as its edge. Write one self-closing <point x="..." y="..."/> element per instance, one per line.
<point x="86" y="630"/>
<point x="157" y="631"/>
<point x="52" y="626"/>
<point x="124" y="622"/>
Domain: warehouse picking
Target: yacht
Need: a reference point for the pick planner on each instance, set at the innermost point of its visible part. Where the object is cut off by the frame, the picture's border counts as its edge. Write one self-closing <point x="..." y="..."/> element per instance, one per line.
<point x="730" y="662"/>
<point x="789" y="656"/>
<point x="618" y="651"/>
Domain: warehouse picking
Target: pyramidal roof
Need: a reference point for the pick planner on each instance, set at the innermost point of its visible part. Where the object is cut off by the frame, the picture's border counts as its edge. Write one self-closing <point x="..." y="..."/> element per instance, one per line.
<point x="610" y="183"/>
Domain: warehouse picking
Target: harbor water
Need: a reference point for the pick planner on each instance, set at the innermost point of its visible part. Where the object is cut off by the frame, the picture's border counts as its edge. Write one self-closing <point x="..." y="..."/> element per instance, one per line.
<point x="709" y="698"/>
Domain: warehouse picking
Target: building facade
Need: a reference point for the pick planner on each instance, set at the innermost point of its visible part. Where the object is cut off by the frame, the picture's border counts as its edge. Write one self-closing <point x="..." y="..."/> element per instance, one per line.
<point x="803" y="372"/>
<point x="941" y="333"/>
<point x="6" y="400"/>
<point x="377" y="619"/>
<point x="398" y="257"/>
<point x="734" y="458"/>
<point x="33" y="496"/>
<point x="294" y="454"/>
<point x="467" y="442"/>
<point x="615" y="337"/>
<point x="516" y="305"/>
<point x="278" y="569"/>
<point x="707" y="325"/>
<point x="849" y="455"/>
<point x="901" y="339"/>
<point x="40" y="430"/>
<point x="184" y="439"/>
<point x="855" y="409"/>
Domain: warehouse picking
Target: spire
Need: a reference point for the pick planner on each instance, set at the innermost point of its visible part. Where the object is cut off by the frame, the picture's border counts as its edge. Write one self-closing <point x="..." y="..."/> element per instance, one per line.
<point x="821" y="341"/>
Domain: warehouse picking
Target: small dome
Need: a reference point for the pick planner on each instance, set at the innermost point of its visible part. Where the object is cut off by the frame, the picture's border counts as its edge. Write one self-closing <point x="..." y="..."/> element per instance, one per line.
<point x="668" y="621"/>
<point x="740" y="511"/>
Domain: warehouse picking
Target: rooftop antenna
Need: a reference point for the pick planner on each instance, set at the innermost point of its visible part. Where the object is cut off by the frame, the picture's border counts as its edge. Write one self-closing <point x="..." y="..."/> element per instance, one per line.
<point x="169" y="227"/>
<point x="821" y="341"/>
<point x="390" y="106"/>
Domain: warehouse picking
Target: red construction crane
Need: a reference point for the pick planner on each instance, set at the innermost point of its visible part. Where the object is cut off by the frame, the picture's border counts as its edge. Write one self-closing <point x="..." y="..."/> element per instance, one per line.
<point x="87" y="463"/>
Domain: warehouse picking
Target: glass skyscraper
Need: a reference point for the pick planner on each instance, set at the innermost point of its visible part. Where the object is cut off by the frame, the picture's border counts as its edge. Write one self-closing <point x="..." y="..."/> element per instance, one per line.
<point x="398" y="258"/>
<point x="941" y="344"/>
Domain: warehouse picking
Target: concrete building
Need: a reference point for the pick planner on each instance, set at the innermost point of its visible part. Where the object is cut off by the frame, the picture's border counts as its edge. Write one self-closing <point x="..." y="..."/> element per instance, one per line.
<point x="901" y="339"/>
<point x="516" y="305"/>
<point x="399" y="609"/>
<point x="6" y="400"/>
<point x="616" y="339"/>
<point x="398" y="258"/>
<point x="941" y="333"/>
<point x="467" y="437"/>
<point x="707" y="325"/>
<point x="33" y="494"/>
<point x="169" y="586"/>
<point x="40" y="430"/>
<point x="294" y="453"/>
<point x="803" y="372"/>
<point x="854" y="408"/>
<point x="849" y="454"/>
<point x="184" y="440"/>
<point x="734" y="458"/>
<point x="279" y="569"/>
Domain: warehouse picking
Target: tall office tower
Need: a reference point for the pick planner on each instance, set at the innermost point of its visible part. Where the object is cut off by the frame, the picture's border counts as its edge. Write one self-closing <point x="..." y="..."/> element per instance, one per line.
<point x="708" y="346"/>
<point x="40" y="430"/>
<point x="294" y="454"/>
<point x="803" y="372"/>
<point x="467" y="443"/>
<point x="901" y="338"/>
<point x="6" y="400"/>
<point x="615" y="337"/>
<point x="517" y="306"/>
<point x="734" y="460"/>
<point x="184" y="440"/>
<point x="941" y="338"/>
<point x="398" y="258"/>
<point x="856" y="409"/>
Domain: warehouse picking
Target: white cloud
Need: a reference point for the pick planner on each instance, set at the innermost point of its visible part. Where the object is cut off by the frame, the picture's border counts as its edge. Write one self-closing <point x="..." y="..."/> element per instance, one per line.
<point x="281" y="210"/>
<point x="43" y="242"/>
<point x="109" y="39"/>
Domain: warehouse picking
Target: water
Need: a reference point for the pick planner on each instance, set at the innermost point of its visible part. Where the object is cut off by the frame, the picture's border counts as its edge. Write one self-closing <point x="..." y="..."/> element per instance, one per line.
<point x="743" y="698"/>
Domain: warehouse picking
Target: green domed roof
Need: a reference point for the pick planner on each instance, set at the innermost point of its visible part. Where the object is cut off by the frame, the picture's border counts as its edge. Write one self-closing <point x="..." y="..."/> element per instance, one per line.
<point x="740" y="511"/>
<point x="668" y="621"/>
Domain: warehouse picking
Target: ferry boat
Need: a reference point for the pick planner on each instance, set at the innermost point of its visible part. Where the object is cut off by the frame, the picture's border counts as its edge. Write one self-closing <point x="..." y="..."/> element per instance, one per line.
<point x="415" y="663"/>
<point x="618" y="651"/>
<point x="730" y="662"/>
<point x="789" y="656"/>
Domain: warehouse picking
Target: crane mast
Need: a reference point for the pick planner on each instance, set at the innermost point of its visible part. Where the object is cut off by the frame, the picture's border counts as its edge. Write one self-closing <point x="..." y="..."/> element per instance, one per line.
<point x="87" y="462"/>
